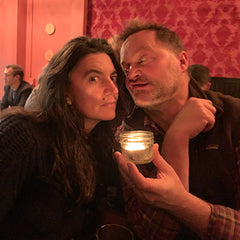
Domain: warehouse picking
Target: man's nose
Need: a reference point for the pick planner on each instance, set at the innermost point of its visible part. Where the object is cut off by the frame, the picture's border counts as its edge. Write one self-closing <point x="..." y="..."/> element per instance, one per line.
<point x="133" y="73"/>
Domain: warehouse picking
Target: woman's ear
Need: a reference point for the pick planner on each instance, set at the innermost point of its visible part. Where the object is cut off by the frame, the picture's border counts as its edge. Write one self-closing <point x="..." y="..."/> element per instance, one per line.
<point x="183" y="59"/>
<point x="69" y="101"/>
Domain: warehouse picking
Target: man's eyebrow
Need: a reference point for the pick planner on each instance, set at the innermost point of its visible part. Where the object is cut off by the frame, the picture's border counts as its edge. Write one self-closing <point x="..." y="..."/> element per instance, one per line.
<point x="139" y="51"/>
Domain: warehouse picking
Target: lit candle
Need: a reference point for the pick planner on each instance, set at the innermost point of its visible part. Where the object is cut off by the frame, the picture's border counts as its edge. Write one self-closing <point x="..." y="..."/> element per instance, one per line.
<point x="136" y="146"/>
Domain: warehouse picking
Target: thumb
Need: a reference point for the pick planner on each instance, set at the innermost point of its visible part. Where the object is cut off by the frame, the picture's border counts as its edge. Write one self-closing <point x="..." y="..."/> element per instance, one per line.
<point x="158" y="161"/>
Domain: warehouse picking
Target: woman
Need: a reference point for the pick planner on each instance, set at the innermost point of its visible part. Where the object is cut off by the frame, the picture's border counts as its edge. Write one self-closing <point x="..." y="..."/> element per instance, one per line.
<point x="51" y="160"/>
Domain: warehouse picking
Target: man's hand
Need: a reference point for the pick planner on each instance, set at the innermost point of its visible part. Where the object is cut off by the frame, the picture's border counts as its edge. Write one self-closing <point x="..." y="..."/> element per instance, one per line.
<point x="162" y="191"/>
<point x="167" y="192"/>
<point x="196" y="116"/>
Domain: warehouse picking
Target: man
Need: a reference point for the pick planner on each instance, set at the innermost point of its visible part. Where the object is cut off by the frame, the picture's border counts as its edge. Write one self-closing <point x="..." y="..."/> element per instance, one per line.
<point x="198" y="134"/>
<point x="201" y="74"/>
<point x="16" y="90"/>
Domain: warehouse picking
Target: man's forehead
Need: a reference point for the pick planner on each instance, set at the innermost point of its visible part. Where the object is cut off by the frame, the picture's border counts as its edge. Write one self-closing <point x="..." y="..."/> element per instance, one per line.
<point x="142" y="37"/>
<point x="140" y="41"/>
<point x="8" y="69"/>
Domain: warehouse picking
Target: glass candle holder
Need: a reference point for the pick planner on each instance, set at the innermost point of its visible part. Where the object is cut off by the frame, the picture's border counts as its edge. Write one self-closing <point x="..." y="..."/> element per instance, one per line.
<point x="136" y="146"/>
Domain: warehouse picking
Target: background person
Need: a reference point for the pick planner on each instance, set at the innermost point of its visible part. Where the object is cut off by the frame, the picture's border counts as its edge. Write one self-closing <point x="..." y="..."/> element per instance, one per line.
<point x="201" y="74"/>
<point x="16" y="90"/>
<point x="198" y="133"/>
<point x="32" y="102"/>
<point x="56" y="171"/>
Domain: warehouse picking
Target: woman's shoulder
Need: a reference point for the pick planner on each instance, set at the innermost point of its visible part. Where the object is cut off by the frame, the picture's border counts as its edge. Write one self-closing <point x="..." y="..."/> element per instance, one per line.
<point x="15" y="123"/>
<point x="20" y="128"/>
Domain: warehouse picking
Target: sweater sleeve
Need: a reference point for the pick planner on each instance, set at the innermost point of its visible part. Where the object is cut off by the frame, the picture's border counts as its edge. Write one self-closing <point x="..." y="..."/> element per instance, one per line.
<point x="16" y="160"/>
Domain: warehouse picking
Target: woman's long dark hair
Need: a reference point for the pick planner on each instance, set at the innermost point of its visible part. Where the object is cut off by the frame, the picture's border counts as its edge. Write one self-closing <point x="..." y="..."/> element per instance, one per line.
<point x="73" y="155"/>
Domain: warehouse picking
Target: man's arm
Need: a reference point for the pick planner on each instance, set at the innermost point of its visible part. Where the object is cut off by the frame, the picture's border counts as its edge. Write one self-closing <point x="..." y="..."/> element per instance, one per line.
<point x="151" y="222"/>
<point x="4" y="101"/>
<point x="167" y="192"/>
<point x="196" y="116"/>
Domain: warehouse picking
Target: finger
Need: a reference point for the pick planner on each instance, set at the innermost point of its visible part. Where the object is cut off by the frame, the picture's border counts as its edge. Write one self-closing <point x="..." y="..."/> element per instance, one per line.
<point x="210" y="121"/>
<point x="211" y="107"/>
<point x="137" y="178"/>
<point x="122" y="166"/>
<point x="120" y="160"/>
<point x="161" y="165"/>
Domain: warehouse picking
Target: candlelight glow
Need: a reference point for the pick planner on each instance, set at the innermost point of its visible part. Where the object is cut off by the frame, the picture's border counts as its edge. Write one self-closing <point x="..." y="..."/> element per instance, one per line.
<point x="136" y="146"/>
<point x="133" y="146"/>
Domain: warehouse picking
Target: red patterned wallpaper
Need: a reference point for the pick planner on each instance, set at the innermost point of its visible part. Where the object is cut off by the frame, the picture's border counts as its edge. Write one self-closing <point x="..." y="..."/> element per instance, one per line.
<point x="210" y="30"/>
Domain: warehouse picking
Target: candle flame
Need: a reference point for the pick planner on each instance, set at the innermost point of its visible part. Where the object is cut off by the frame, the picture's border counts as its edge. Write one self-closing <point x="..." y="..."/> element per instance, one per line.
<point x="131" y="146"/>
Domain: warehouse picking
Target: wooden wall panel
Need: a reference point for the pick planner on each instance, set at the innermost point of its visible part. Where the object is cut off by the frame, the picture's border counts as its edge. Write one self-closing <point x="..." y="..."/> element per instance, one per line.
<point x="67" y="25"/>
<point x="24" y="40"/>
<point x="8" y="36"/>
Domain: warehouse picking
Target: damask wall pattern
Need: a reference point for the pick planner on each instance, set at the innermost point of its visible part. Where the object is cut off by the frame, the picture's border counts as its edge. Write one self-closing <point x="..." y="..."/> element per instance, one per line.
<point x="210" y="30"/>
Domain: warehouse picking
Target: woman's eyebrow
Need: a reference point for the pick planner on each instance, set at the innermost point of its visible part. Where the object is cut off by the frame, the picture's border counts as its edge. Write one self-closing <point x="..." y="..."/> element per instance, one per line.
<point x="97" y="71"/>
<point x="92" y="71"/>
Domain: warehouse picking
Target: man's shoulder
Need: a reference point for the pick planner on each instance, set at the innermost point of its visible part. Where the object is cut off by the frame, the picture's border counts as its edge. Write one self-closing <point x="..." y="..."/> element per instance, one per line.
<point x="228" y="112"/>
<point x="25" y="85"/>
<point x="226" y="102"/>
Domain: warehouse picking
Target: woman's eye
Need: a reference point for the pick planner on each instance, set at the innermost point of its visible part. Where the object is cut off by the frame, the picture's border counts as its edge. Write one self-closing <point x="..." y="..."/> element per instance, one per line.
<point x="93" y="79"/>
<point x="114" y="78"/>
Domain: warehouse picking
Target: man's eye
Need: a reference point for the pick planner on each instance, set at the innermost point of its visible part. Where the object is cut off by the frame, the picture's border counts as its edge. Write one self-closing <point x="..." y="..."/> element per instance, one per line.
<point x="126" y="70"/>
<point x="142" y="60"/>
<point x="114" y="78"/>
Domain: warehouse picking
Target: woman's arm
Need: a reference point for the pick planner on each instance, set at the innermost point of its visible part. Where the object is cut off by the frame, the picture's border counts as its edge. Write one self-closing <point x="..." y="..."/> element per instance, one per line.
<point x="15" y="152"/>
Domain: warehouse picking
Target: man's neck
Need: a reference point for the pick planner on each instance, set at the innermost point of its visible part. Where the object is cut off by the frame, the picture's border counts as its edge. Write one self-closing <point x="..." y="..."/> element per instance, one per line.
<point x="15" y="86"/>
<point x="164" y="114"/>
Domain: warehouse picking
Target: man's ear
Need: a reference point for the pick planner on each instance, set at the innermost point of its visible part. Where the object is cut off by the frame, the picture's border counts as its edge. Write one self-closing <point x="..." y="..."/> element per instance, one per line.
<point x="17" y="77"/>
<point x="183" y="60"/>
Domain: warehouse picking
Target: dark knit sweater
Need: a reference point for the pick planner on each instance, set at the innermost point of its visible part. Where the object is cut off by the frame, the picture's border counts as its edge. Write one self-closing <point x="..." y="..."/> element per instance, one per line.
<point x="33" y="205"/>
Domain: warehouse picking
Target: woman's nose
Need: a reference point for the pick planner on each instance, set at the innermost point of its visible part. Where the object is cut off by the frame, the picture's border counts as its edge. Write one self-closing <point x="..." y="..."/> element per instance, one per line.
<point x="112" y="86"/>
